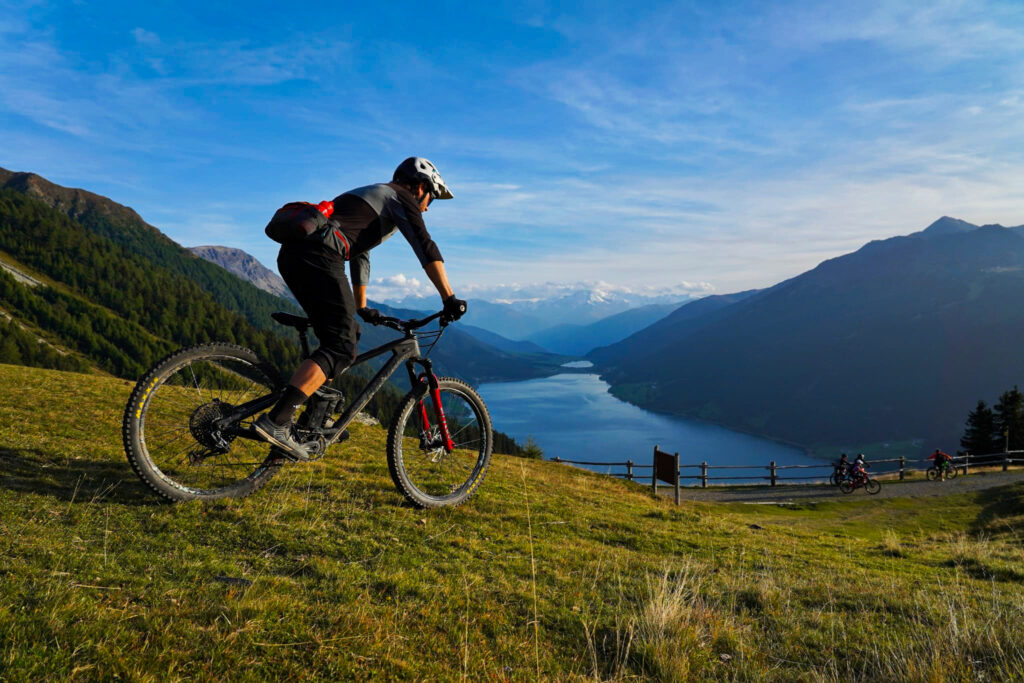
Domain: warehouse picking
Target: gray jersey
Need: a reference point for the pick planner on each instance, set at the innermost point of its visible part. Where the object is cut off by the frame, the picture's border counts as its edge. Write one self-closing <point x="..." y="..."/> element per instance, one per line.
<point x="369" y="215"/>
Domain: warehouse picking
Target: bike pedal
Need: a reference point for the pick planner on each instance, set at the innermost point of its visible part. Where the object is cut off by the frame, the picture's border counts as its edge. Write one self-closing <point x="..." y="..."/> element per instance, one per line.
<point x="282" y="456"/>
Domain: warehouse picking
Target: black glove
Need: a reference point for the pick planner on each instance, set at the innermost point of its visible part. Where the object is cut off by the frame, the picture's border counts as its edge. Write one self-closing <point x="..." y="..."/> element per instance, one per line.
<point x="454" y="308"/>
<point x="369" y="315"/>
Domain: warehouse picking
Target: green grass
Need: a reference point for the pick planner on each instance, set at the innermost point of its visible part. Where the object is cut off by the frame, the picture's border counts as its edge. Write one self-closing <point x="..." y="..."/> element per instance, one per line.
<point x="548" y="573"/>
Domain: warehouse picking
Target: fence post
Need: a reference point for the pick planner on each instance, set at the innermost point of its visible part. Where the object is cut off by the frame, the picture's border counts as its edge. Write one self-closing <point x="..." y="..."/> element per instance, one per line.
<point x="771" y="467"/>
<point x="677" y="478"/>
<point x="629" y="470"/>
<point x="1006" y="462"/>
<point x="967" y="461"/>
<point x="903" y="464"/>
<point x="704" y="474"/>
<point x="654" y="470"/>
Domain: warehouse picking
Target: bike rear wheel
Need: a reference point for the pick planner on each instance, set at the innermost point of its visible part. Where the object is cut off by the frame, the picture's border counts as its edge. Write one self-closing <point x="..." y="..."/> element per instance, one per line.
<point x="424" y="471"/>
<point x="952" y="472"/>
<point x="846" y="486"/>
<point x="170" y="432"/>
<point x="872" y="486"/>
<point x="932" y="474"/>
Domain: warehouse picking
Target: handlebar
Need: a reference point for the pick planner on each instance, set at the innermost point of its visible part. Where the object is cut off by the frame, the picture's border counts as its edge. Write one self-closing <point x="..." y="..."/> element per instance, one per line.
<point x="407" y="326"/>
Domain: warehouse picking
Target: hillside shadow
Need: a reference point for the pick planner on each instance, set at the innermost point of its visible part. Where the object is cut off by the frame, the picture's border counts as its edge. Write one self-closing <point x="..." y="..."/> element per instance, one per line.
<point x="1000" y="507"/>
<point x="31" y="470"/>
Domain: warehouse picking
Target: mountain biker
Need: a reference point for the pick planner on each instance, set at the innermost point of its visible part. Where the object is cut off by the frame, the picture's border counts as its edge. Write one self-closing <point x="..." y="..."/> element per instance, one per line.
<point x="841" y="469"/>
<point x="858" y="470"/>
<point x="314" y="270"/>
<point x="942" y="461"/>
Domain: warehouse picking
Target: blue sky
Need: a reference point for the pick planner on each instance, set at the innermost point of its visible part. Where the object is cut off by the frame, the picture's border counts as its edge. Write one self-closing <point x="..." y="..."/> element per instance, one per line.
<point x="686" y="146"/>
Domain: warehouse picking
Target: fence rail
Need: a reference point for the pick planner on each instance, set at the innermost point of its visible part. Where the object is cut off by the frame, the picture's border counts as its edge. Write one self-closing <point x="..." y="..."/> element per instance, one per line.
<point x="666" y="467"/>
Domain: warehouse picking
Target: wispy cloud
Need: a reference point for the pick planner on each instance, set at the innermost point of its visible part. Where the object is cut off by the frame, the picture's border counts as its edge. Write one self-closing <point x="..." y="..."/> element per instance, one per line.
<point x="639" y="145"/>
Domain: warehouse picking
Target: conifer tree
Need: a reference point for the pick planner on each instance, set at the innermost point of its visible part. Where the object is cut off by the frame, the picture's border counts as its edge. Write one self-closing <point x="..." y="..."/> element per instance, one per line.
<point x="980" y="435"/>
<point x="1009" y="414"/>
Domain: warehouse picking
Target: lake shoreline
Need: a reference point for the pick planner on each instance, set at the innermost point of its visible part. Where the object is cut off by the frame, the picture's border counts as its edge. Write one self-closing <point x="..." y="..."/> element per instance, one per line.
<point x="574" y="416"/>
<point x="807" y="450"/>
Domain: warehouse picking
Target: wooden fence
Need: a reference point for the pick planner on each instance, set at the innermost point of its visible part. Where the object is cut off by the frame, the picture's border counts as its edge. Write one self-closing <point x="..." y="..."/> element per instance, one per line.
<point x="665" y="467"/>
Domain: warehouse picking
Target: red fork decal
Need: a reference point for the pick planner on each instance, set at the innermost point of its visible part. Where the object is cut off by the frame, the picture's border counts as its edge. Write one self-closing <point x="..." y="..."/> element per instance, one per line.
<point x="439" y="416"/>
<point x="424" y="420"/>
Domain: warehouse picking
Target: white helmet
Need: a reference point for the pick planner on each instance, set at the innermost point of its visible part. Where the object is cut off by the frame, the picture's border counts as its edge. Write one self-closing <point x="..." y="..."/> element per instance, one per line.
<point x="419" y="170"/>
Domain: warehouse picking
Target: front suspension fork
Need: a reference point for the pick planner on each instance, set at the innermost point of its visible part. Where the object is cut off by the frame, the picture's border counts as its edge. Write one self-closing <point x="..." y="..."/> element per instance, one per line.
<point x="424" y="383"/>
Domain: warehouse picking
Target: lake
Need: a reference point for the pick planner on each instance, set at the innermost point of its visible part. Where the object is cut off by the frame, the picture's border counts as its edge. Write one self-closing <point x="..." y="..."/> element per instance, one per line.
<point x="574" y="417"/>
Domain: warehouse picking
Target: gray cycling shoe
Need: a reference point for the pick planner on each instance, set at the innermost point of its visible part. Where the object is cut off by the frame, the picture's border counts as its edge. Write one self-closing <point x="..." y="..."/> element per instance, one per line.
<point x="280" y="437"/>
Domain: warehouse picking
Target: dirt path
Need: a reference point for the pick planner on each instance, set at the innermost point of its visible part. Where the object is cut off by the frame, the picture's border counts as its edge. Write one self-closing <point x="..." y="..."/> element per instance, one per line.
<point x="920" y="488"/>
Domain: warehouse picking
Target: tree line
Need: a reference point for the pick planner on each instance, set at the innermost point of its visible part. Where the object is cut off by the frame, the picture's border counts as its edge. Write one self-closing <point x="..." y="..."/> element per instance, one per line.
<point x="18" y="346"/>
<point x="996" y="429"/>
<point x="144" y="294"/>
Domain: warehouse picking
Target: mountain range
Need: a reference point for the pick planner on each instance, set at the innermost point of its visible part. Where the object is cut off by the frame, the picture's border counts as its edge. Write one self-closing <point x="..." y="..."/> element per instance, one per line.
<point x="895" y="341"/>
<point x="246" y="267"/>
<point x="546" y="314"/>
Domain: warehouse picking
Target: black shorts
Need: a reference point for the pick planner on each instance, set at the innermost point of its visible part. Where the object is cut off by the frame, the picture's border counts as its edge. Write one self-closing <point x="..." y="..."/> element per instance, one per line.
<point x="316" y="276"/>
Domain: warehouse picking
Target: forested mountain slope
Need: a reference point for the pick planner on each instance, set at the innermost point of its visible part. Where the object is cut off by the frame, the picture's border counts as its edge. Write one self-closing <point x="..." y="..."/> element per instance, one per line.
<point x="125" y="228"/>
<point x="118" y="307"/>
<point x="897" y="340"/>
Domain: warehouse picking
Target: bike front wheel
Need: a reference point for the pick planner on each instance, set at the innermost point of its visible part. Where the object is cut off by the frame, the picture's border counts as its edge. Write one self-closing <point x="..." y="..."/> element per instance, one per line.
<point x="423" y="469"/>
<point x="872" y="486"/>
<point x="171" y="429"/>
<point x="951" y="472"/>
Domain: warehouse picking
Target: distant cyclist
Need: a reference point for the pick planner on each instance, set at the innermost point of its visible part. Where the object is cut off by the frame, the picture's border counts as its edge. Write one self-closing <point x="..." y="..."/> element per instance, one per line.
<point x="841" y="469"/>
<point x="942" y="462"/>
<point x="314" y="270"/>
<point x="859" y="468"/>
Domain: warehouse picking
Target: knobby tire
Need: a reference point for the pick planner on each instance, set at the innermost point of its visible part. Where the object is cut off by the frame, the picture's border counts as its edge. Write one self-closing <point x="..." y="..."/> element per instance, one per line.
<point x="426" y="473"/>
<point x="167" y="427"/>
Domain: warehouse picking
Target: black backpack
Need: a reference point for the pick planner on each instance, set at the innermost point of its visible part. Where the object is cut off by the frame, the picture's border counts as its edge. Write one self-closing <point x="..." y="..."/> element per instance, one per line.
<point x="298" y="221"/>
<point x="294" y="222"/>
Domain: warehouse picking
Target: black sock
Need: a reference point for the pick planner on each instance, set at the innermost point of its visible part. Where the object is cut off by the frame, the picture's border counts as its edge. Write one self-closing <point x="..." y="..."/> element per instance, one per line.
<point x="283" y="413"/>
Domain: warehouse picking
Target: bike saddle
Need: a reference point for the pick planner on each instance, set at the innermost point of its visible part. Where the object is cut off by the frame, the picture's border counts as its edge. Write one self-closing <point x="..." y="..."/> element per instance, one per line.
<point x="290" y="320"/>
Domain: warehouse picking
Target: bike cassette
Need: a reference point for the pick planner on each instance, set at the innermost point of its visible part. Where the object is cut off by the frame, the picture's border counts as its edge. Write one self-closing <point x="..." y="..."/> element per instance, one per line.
<point x="201" y="424"/>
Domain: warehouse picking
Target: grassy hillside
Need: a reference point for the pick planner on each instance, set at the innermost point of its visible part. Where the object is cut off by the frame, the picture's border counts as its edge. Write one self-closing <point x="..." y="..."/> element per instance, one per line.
<point x="549" y="573"/>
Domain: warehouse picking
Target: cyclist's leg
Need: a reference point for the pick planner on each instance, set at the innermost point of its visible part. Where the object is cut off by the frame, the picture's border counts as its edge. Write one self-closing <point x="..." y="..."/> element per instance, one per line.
<point x="316" y="276"/>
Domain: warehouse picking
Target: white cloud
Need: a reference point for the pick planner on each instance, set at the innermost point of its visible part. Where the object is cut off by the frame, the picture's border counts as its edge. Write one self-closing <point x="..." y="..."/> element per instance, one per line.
<point x="144" y="37"/>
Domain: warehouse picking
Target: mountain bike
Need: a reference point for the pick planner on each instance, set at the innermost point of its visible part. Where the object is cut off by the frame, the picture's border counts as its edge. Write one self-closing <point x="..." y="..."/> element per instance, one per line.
<point x="839" y="473"/>
<point x="849" y="484"/>
<point x="188" y="424"/>
<point x="935" y="472"/>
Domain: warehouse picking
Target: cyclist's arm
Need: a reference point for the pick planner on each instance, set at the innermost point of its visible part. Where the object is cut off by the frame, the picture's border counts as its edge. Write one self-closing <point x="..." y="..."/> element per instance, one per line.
<point x="437" y="274"/>
<point x="359" y="267"/>
<point x="408" y="219"/>
<point x="360" y="294"/>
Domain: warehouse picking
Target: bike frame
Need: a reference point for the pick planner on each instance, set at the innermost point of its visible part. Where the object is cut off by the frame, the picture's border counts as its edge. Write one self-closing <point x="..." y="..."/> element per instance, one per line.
<point x="405" y="350"/>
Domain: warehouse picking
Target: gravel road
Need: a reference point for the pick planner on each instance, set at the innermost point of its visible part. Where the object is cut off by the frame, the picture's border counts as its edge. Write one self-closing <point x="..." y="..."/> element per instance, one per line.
<point x="918" y="488"/>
